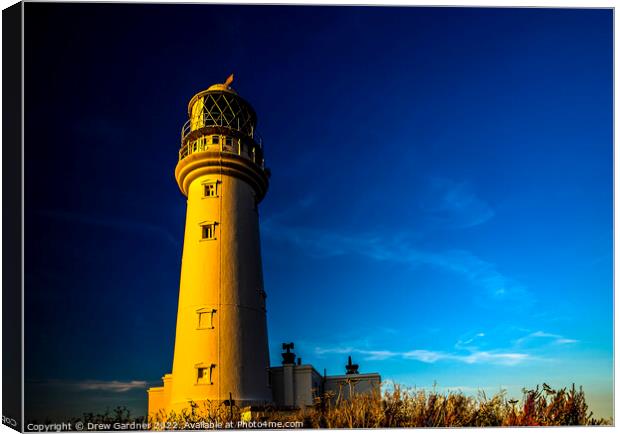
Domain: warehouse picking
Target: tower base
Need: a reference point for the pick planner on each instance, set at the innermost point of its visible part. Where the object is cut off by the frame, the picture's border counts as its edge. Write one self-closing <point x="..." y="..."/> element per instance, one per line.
<point x="160" y="403"/>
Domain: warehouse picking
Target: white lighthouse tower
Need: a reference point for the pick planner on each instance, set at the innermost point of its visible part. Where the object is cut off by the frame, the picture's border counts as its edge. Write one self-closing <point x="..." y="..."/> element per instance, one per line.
<point x="221" y="348"/>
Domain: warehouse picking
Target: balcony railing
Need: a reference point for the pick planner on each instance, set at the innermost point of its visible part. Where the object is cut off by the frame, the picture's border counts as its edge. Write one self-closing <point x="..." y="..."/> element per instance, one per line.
<point x="238" y="147"/>
<point x="208" y="121"/>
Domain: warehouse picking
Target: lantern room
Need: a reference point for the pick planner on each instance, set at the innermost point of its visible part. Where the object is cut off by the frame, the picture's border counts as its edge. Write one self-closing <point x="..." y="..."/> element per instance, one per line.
<point x="221" y="121"/>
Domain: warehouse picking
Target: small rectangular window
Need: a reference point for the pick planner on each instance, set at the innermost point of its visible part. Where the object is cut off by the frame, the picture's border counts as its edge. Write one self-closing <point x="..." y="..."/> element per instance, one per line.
<point x="205" y="318"/>
<point x="204" y="374"/>
<point x="208" y="231"/>
<point x="215" y="140"/>
<point x="228" y="144"/>
<point x="210" y="189"/>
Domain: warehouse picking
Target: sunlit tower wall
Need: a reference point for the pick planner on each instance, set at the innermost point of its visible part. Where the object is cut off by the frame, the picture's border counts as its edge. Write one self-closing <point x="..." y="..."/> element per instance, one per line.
<point x="221" y="347"/>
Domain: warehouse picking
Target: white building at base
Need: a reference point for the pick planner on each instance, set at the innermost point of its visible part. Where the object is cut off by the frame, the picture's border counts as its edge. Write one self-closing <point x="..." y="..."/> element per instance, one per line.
<point x="295" y="385"/>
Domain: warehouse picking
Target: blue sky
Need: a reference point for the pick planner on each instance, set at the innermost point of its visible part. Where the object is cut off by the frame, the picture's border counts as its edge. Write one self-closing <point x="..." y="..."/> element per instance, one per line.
<point x="440" y="204"/>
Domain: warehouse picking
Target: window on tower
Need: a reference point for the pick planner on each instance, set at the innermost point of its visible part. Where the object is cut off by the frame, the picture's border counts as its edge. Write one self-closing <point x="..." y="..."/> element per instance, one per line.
<point x="210" y="188"/>
<point x="204" y="374"/>
<point x="208" y="231"/>
<point x="215" y="140"/>
<point x="205" y="318"/>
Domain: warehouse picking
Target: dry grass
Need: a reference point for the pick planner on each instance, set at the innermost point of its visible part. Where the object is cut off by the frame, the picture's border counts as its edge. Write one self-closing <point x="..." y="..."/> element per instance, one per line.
<point x="213" y="413"/>
<point x="400" y="408"/>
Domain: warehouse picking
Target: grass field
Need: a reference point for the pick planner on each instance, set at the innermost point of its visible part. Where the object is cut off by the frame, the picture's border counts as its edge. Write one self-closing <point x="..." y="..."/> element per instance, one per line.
<point x="542" y="406"/>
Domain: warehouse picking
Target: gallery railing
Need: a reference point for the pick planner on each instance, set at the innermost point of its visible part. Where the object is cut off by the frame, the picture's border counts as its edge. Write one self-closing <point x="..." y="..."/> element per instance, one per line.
<point x="248" y="149"/>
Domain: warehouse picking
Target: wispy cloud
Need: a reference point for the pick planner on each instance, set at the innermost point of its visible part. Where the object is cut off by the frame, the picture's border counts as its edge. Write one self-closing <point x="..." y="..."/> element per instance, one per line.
<point x="113" y="386"/>
<point x="468" y="343"/>
<point x="552" y="337"/>
<point x="427" y="356"/>
<point x="566" y="341"/>
<point x="397" y="245"/>
<point x="455" y="203"/>
<point x="389" y="384"/>
<point x="381" y="247"/>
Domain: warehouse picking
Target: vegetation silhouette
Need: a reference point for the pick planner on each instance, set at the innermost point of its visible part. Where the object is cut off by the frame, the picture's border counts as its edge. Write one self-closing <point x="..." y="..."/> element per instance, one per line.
<point x="396" y="408"/>
<point x="399" y="408"/>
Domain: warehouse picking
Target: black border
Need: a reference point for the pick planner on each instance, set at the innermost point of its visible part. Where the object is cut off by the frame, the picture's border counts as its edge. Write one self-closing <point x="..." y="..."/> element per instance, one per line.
<point x="12" y="107"/>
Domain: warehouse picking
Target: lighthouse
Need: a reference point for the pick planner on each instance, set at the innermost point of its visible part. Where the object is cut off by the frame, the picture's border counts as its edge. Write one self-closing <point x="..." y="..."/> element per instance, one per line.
<point x="221" y="349"/>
